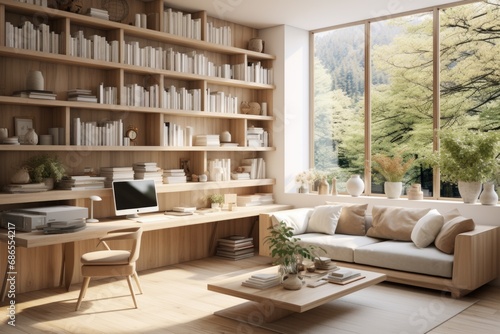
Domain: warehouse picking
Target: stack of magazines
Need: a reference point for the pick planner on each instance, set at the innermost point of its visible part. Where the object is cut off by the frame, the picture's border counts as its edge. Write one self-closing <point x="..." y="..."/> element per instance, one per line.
<point x="343" y="276"/>
<point x="262" y="281"/>
<point x="324" y="263"/>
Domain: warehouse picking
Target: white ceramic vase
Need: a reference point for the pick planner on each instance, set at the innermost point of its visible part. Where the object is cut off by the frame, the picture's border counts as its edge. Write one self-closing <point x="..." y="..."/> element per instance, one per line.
<point x="292" y="282"/>
<point x="355" y="185"/>
<point x="488" y="196"/>
<point x="31" y="137"/>
<point x="393" y="189"/>
<point x="35" y="81"/>
<point x="469" y="191"/>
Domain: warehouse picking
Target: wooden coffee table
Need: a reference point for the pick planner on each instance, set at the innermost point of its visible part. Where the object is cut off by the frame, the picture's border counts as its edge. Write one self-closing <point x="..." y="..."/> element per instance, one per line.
<point x="279" y="302"/>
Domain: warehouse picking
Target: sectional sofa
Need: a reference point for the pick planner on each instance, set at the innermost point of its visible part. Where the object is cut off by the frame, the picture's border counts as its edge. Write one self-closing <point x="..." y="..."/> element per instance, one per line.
<point x="419" y="247"/>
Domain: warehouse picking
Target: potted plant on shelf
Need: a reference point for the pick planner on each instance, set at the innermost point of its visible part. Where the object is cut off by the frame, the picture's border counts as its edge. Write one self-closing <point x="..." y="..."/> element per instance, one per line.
<point x="467" y="158"/>
<point x="393" y="169"/>
<point x="45" y="168"/>
<point x="288" y="252"/>
<point x="216" y="200"/>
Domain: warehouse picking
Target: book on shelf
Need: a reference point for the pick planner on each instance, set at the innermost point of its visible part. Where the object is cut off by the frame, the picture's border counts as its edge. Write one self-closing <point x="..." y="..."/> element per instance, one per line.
<point x="116" y="169"/>
<point x="35" y="94"/>
<point x="174" y="179"/>
<point x="184" y="208"/>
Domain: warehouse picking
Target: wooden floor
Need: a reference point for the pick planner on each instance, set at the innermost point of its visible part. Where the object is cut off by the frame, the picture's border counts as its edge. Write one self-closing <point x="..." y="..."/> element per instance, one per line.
<point x="176" y="300"/>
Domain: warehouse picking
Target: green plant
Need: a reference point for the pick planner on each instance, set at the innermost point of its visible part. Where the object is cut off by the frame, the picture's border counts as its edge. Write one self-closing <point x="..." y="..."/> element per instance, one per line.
<point x="216" y="198"/>
<point x="41" y="167"/>
<point x="392" y="168"/>
<point x="286" y="249"/>
<point x="467" y="156"/>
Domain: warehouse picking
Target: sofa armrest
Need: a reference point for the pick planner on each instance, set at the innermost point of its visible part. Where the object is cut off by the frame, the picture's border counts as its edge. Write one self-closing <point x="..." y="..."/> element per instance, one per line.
<point x="476" y="257"/>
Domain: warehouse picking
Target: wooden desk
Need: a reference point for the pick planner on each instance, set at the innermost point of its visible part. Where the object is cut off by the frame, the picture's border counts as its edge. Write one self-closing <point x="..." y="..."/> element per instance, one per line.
<point x="97" y="230"/>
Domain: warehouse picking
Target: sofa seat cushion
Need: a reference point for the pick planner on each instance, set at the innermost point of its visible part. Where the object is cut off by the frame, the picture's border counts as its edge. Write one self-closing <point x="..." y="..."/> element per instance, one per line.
<point x="405" y="256"/>
<point x="339" y="247"/>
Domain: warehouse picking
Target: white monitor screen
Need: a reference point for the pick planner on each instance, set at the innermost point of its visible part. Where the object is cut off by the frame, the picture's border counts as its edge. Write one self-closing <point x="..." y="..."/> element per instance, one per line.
<point x="132" y="197"/>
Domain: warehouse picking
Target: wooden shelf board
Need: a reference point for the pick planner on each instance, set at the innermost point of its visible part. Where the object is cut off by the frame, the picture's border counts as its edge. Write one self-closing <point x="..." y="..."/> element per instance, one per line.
<point x="60" y="195"/>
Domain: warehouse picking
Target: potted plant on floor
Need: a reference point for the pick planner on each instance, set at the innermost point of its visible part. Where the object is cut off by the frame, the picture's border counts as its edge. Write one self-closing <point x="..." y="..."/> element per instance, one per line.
<point x="468" y="158"/>
<point x="393" y="169"/>
<point x="288" y="252"/>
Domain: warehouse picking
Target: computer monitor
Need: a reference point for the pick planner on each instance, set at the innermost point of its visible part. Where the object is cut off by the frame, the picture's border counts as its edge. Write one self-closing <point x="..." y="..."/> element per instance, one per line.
<point x="132" y="197"/>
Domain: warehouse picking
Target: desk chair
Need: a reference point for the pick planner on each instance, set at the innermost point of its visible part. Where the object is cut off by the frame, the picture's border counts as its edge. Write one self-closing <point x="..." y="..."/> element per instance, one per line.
<point x="110" y="262"/>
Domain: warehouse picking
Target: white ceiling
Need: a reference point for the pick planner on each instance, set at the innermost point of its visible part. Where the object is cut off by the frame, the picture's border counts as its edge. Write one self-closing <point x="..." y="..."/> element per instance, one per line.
<point x="307" y="15"/>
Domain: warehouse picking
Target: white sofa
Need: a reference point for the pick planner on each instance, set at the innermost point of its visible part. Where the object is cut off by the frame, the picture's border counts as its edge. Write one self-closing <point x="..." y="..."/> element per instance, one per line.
<point x="460" y="266"/>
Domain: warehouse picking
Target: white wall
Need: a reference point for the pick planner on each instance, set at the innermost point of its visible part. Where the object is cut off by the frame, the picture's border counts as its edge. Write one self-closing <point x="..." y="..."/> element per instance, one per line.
<point x="291" y="134"/>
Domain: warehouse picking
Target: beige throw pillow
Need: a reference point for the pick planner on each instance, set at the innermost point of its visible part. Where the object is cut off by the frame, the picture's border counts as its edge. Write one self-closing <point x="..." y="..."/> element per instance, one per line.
<point x="324" y="219"/>
<point x="445" y="240"/>
<point x="352" y="218"/>
<point x="394" y="222"/>
<point x="427" y="228"/>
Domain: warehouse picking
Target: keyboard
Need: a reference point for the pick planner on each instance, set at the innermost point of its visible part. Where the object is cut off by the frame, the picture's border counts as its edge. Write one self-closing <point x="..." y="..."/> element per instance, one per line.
<point x="151" y="219"/>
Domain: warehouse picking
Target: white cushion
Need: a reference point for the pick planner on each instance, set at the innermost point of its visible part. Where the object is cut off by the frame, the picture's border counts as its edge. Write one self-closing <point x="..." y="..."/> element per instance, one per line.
<point x="324" y="219"/>
<point x="427" y="228"/>
<point x="294" y="218"/>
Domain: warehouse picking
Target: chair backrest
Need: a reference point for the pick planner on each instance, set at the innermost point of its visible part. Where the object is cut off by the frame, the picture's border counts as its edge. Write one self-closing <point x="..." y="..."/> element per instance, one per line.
<point x="132" y="233"/>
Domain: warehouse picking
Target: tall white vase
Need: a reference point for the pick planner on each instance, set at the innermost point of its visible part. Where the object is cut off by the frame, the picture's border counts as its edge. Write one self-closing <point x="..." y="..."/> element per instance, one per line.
<point x="488" y="196"/>
<point x="355" y="185"/>
<point x="469" y="191"/>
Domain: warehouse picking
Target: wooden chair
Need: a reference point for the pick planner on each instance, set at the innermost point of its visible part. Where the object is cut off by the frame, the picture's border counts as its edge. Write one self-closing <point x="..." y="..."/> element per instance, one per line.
<point x="110" y="262"/>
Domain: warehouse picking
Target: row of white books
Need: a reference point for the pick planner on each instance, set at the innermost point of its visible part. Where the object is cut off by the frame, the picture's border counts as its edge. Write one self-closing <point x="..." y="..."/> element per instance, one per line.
<point x="219" y="35"/>
<point x="138" y="96"/>
<point x="31" y="37"/>
<point x="255" y="199"/>
<point x="219" y="170"/>
<point x="252" y="72"/>
<point x="107" y="95"/>
<point x="218" y="101"/>
<point x="141" y="20"/>
<point x="206" y="140"/>
<point x="107" y="133"/>
<point x="42" y="3"/>
<point x="178" y="23"/>
<point x="148" y="56"/>
<point x="176" y="135"/>
<point x="257" y="137"/>
<point x="257" y="167"/>
<point x="182" y="98"/>
<point x="94" y="47"/>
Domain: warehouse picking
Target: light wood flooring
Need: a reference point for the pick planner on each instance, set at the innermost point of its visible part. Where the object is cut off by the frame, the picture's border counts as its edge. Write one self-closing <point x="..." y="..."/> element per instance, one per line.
<point x="176" y="300"/>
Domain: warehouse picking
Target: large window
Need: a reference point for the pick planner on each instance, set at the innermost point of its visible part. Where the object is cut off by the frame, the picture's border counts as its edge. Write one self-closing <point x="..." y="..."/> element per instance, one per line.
<point x="395" y="111"/>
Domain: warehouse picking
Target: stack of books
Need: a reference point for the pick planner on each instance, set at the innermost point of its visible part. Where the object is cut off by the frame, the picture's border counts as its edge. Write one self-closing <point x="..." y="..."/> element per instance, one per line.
<point x="255" y="166"/>
<point x="235" y="247"/>
<point x="256" y="199"/>
<point x="257" y="137"/>
<point x="148" y="171"/>
<point x="325" y="263"/>
<point x="65" y="226"/>
<point x="35" y="94"/>
<point x="343" y="276"/>
<point x="207" y="140"/>
<point x="81" y="95"/>
<point x="99" y="13"/>
<point x="25" y="188"/>
<point x="174" y="176"/>
<point x="262" y="281"/>
<point x="115" y="174"/>
<point x="81" y="182"/>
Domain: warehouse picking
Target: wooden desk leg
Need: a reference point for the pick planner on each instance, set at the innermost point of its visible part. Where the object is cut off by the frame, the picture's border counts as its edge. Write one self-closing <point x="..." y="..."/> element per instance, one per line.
<point x="69" y="263"/>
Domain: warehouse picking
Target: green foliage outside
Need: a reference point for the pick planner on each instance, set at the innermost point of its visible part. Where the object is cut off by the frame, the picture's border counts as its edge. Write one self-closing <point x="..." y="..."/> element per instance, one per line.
<point x="402" y="85"/>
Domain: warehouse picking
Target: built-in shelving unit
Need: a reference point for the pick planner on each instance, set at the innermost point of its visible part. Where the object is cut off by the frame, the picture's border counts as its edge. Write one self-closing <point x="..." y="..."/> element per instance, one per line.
<point x="63" y="71"/>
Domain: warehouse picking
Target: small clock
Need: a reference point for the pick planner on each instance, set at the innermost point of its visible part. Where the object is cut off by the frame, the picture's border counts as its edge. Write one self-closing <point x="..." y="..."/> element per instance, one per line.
<point x="132" y="133"/>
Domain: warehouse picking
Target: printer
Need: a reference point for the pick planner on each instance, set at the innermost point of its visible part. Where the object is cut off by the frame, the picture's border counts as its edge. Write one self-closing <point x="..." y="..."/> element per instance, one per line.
<point x="30" y="219"/>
